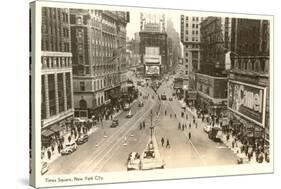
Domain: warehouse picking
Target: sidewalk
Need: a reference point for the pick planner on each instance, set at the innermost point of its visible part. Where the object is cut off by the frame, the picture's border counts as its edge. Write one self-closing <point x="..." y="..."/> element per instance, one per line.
<point x="228" y="143"/>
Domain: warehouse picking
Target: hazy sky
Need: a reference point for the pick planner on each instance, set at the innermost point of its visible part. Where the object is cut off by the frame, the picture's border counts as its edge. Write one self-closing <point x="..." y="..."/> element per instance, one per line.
<point x="134" y="25"/>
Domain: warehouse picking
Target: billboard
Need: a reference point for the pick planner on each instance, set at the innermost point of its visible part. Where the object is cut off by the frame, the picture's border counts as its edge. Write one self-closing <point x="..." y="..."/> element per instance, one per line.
<point x="152" y="50"/>
<point x="152" y="70"/>
<point x="247" y="100"/>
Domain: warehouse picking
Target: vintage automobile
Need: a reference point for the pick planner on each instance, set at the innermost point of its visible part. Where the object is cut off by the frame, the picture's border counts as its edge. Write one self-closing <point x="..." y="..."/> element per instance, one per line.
<point x="114" y="123"/>
<point x="44" y="167"/>
<point x="82" y="139"/>
<point x="215" y="134"/>
<point x="207" y="128"/>
<point x="69" y="148"/>
<point x="127" y="107"/>
<point x="129" y="115"/>
<point x="133" y="162"/>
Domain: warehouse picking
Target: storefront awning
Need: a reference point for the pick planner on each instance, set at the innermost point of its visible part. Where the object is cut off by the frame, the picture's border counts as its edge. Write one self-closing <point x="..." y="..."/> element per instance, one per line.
<point x="56" y="128"/>
<point x="47" y="133"/>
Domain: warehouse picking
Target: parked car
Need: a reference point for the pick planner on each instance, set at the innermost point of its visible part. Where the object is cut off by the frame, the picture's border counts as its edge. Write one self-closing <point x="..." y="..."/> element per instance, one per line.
<point x="69" y="148"/>
<point x="207" y="128"/>
<point x="44" y="167"/>
<point x="114" y="123"/>
<point x="127" y="107"/>
<point x="82" y="139"/>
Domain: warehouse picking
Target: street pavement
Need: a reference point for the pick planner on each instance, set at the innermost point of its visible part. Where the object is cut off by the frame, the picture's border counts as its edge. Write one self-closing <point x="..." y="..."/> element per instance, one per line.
<point x="107" y="148"/>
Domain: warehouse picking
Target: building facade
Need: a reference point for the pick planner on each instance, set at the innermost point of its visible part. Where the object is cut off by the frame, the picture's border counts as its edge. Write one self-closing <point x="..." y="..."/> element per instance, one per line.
<point x="153" y="35"/>
<point x="99" y="60"/>
<point x="248" y="86"/>
<point x="57" y="105"/>
<point x="211" y="78"/>
<point x="190" y="37"/>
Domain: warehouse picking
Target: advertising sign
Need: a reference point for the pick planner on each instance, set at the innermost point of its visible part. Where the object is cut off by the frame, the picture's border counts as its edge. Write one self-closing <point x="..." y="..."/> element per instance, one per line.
<point x="152" y="70"/>
<point x="152" y="50"/>
<point x="247" y="100"/>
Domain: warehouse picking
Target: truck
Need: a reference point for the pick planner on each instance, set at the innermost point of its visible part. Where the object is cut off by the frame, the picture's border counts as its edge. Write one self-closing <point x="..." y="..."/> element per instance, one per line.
<point x="215" y="134"/>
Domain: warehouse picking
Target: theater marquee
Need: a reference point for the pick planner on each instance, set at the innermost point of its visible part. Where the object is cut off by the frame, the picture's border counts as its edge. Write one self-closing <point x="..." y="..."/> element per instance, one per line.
<point x="247" y="100"/>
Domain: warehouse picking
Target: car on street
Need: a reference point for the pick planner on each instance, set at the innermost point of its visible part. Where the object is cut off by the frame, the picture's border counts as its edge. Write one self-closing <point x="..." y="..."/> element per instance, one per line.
<point x="127" y="107"/>
<point x="44" y="167"/>
<point x="133" y="162"/>
<point x="207" y="128"/>
<point x="69" y="148"/>
<point x="114" y="123"/>
<point x="141" y="104"/>
<point x="129" y="115"/>
<point x="82" y="139"/>
<point x="170" y="99"/>
<point x="215" y="134"/>
<point x="163" y="97"/>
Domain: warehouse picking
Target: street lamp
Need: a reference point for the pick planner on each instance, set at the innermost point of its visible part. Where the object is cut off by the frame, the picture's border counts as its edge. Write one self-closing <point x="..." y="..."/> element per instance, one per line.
<point x="151" y="126"/>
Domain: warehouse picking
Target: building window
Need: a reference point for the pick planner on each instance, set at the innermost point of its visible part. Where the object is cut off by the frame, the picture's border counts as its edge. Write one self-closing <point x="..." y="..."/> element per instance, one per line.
<point x="82" y="85"/>
<point x="68" y="83"/>
<point x="186" y="72"/>
<point x="43" y="98"/>
<point x="52" y="94"/>
<point x="60" y="92"/>
<point x="186" y="32"/>
<point x="193" y="25"/>
<point x="186" y="25"/>
<point x="83" y="104"/>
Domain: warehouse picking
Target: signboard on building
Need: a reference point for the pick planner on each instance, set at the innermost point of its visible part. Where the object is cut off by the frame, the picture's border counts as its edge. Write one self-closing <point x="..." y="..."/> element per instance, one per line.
<point x="247" y="101"/>
<point x="152" y="70"/>
<point x="152" y="50"/>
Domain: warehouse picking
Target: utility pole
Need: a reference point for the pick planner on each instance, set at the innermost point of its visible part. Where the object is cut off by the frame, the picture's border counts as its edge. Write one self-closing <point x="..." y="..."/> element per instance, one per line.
<point x="151" y="127"/>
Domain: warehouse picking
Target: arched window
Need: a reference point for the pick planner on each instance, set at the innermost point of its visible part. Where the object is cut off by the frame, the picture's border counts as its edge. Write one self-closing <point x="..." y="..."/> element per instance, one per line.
<point x="83" y="104"/>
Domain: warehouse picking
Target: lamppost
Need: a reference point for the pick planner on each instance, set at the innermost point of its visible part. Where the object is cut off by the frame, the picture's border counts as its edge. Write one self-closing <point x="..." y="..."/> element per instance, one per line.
<point x="151" y="126"/>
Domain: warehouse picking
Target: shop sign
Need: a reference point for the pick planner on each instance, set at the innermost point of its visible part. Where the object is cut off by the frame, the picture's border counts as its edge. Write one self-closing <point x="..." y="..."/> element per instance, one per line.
<point x="247" y="100"/>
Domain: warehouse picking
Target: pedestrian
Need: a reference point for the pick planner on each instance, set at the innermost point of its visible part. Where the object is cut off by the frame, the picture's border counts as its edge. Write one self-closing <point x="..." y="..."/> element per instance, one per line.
<point x="162" y="141"/>
<point x="175" y="116"/>
<point x="69" y="138"/>
<point x="165" y="112"/>
<point x="186" y="117"/>
<point x="182" y="127"/>
<point x="193" y="120"/>
<point x="168" y="144"/>
<point x="143" y="126"/>
<point x="49" y="154"/>
<point x="179" y="127"/>
<point x="196" y="124"/>
<point x="189" y="125"/>
<point x="140" y="125"/>
<point x="189" y="135"/>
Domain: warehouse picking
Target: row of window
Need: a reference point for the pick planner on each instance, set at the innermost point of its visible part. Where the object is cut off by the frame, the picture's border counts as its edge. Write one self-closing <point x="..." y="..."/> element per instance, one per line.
<point x="254" y="65"/>
<point x="56" y="62"/>
<point x="53" y="88"/>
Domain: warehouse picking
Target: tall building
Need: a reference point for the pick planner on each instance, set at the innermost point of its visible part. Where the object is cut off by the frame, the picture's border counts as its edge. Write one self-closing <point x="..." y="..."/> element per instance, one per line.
<point x="56" y="74"/>
<point x="174" y="47"/>
<point x="190" y="37"/>
<point x="211" y="78"/>
<point x="248" y="86"/>
<point x="153" y="44"/>
<point x="99" y="60"/>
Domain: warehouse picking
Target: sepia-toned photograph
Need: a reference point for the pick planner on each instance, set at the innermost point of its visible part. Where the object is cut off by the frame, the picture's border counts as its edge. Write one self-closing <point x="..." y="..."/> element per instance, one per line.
<point x="140" y="91"/>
